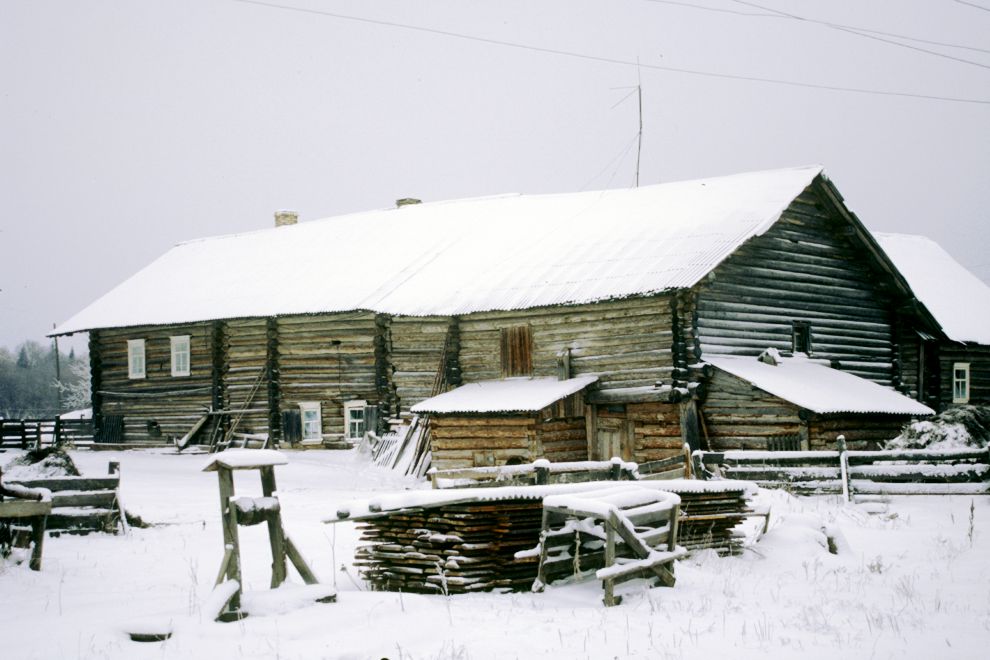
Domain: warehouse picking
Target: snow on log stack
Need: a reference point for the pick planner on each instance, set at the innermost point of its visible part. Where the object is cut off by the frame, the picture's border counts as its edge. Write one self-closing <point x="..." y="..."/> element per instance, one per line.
<point x="465" y="540"/>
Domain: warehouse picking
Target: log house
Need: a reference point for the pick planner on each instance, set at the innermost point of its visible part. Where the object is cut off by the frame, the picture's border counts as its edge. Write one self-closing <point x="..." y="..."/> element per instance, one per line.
<point x="633" y="288"/>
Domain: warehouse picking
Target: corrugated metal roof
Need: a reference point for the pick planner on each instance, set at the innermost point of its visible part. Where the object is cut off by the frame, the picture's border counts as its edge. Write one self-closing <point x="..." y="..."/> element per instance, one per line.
<point x="500" y="253"/>
<point x="819" y="388"/>
<point x="959" y="300"/>
<point x="503" y="396"/>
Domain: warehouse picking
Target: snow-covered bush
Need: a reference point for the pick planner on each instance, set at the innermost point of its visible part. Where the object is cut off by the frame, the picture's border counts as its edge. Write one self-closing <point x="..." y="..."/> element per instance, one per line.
<point x="41" y="463"/>
<point x="955" y="428"/>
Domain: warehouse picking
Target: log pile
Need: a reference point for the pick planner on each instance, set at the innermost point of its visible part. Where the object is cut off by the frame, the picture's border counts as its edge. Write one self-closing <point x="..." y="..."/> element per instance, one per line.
<point x="457" y="546"/>
<point x="708" y="518"/>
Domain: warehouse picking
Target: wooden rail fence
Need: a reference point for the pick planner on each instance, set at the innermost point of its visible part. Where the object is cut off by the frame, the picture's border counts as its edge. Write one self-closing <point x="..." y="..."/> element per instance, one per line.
<point x="35" y="433"/>
<point x="855" y="473"/>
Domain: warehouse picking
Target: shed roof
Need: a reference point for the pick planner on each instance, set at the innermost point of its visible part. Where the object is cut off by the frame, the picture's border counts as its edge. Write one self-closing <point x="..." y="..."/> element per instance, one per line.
<point x="819" y="388"/>
<point x="504" y="396"/>
<point x="958" y="299"/>
<point x="496" y="253"/>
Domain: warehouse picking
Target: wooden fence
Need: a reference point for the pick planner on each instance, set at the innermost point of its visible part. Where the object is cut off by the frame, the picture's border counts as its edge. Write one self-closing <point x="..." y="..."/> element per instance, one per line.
<point x="852" y="473"/>
<point x="34" y="433"/>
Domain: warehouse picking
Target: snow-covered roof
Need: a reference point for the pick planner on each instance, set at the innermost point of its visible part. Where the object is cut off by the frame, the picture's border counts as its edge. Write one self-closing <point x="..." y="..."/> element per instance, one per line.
<point x="245" y="459"/>
<point x="959" y="300"/>
<point x="502" y="396"/>
<point x="496" y="253"/>
<point x="819" y="388"/>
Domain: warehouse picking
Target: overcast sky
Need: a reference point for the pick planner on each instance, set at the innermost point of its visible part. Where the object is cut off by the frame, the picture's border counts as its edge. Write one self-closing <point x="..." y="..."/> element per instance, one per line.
<point x="128" y="126"/>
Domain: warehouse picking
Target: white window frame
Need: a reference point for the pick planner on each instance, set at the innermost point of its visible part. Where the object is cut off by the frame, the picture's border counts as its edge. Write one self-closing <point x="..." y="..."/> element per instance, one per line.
<point x="960" y="385"/>
<point x="311" y="407"/>
<point x="349" y="406"/>
<point x="136" y="361"/>
<point x="180" y="345"/>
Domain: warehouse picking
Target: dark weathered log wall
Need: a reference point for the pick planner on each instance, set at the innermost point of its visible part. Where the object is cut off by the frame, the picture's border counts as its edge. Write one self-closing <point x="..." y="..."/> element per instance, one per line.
<point x="738" y="415"/>
<point x="657" y="429"/>
<point x="807" y="267"/>
<point x="171" y="403"/>
<point x="628" y="342"/>
<point x="415" y="351"/>
<point x="246" y="381"/>
<point x="978" y="358"/>
<point x="562" y="439"/>
<point x="862" y="431"/>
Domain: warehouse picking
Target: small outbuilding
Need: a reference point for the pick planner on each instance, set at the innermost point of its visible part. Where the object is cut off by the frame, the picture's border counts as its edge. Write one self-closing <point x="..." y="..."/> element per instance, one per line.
<point x="797" y="403"/>
<point x="510" y="420"/>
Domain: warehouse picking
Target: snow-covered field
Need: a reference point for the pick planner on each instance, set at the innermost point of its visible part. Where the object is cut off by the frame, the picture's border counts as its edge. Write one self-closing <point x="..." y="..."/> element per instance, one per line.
<point x="912" y="582"/>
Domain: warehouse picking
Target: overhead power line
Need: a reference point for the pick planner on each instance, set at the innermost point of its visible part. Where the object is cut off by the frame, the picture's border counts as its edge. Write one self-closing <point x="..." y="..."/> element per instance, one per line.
<point x="779" y="15"/>
<point x="614" y="60"/>
<point x="973" y="4"/>
<point x="861" y="33"/>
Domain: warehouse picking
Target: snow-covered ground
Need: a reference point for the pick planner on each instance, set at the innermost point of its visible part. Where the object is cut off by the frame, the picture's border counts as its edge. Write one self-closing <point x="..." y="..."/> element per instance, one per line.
<point x="913" y="582"/>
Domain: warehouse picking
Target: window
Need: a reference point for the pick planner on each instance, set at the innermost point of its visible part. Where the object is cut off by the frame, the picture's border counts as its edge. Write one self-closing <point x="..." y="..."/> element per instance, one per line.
<point x="960" y="382"/>
<point x="801" y="337"/>
<point x="354" y="420"/>
<point x="312" y="421"/>
<point x="517" y="351"/>
<point x="135" y="358"/>
<point x="180" y="355"/>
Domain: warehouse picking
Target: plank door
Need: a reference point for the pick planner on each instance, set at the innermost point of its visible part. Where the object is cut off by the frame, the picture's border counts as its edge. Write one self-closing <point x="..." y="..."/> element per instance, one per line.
<point x="614" y="437"/>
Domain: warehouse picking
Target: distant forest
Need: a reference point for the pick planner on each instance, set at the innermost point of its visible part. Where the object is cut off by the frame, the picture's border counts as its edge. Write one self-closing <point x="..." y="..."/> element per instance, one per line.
<point x="28" y="387"/>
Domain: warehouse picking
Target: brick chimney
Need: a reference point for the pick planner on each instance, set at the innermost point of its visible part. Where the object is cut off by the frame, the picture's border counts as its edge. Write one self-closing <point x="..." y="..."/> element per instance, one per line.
<point x="283" y="218"/>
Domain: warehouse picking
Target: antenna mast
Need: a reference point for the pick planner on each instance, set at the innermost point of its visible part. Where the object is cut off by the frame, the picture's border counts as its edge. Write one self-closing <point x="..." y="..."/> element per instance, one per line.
<point x="639" y="98"/>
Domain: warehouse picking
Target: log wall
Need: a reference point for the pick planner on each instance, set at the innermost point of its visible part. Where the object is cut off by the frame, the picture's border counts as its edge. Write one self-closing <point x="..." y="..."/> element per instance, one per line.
<point x="313" y="367"/>
<point x="626" y="342"/>
<point x="473" y="441"/>
<point x="657" y="429"/>
<point x="415" y="350"/>
<point x="174" y="403"/>
<point x="978" y="358"/>
<point x="461" y="441"/>
<point x="246" y="377"/>
<point x="806" y="267"/>
<point x="738" y="415"/>
<point x="862" y="431"/>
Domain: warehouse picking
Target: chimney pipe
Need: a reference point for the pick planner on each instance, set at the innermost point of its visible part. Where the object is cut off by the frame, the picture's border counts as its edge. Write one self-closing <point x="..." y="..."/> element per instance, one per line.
<point x="407" y="201"/>
<point x="283" y="218"/>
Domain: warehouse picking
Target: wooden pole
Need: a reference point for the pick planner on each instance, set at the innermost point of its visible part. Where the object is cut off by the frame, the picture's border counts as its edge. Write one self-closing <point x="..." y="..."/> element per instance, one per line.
<point x="228" y="514"/>
<point x="275" y="534"/>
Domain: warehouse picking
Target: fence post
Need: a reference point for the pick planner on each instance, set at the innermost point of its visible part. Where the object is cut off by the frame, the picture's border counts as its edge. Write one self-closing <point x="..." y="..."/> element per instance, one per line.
<point x="844" y="468"/>
<point x="686" y="448"/>
<point x="699" y="465"/>
<point x="615" y="470"/>
<point x="542" y="474"/>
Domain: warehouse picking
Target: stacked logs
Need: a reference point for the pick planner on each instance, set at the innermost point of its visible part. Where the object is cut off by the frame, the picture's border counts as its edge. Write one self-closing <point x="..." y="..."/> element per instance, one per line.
<point x="462" y="547"/>
<point x="455" y="548"/>
<point x="708" y="518"/>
